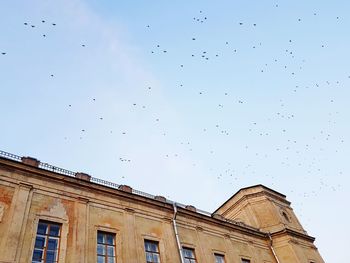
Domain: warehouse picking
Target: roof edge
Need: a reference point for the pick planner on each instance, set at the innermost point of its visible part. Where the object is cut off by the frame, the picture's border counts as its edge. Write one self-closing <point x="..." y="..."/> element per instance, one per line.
<point x="249" y="187"/>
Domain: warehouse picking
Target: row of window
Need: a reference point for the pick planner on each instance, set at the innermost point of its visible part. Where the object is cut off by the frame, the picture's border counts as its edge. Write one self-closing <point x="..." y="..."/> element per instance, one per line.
<point x="47" y="241"/>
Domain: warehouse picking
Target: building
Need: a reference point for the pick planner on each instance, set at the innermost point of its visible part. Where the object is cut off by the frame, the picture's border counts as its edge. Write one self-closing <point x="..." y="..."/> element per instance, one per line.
<point x="48" y="214"/>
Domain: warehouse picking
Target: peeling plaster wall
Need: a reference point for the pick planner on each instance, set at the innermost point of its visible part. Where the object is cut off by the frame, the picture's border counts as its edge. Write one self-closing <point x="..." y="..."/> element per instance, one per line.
<point x="82" y="211"/>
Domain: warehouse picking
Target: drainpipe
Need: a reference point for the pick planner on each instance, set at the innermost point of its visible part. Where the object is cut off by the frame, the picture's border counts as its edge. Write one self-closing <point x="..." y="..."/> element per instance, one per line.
<point x="272" y="249"/>
<point x="176" y="233"/>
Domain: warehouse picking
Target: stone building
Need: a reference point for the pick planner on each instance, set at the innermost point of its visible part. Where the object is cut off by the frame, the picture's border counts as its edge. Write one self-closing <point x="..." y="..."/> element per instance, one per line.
<point x="49" y="214"/>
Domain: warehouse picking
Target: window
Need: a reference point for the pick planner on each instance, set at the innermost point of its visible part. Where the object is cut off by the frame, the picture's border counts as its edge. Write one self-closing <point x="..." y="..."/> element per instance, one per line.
<point x="152" y="251"/>
<point x="245" y="260"/>
<point x="105" y="247"/>
<point x="46" y="242"/>
<point x="219" y="258"/>
<point x="189" y="256"/>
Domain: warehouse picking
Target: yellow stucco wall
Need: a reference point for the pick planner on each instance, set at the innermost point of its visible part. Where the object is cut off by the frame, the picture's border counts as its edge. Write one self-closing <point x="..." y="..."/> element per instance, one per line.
<point x="83" y="208"/>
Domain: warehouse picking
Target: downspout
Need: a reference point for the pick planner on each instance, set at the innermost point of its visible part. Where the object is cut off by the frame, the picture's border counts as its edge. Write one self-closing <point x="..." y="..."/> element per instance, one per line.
<point x="176" y="233"/>
<point x="272" y="249"/>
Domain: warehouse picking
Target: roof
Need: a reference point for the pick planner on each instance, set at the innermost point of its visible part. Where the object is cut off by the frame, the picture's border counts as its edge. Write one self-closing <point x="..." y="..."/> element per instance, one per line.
<point x="246" y="188"/>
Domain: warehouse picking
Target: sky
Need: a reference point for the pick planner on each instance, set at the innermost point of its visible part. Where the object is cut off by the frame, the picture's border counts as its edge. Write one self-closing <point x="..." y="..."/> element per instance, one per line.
<point x="191" y="100"/>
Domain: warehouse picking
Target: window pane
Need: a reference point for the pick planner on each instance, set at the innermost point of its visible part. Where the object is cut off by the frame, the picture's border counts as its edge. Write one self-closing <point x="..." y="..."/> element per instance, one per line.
<point x="101" y="249"/>
<point x="52" y="244"/>
<point x="54" y="230"/>
<point x="156" y="258"/>
<point x="110" y="239"/>
<point x="188" y="253"/>
<point x="154" y="247"/>
<point x="110" y="251"/>
<point x="99" y="237"/>
<point x="37" y="255"/>
<point x="42" y="227"/>
<point x="147" y="246"/>
<point x="149" y="257"/>
<point x="50" y="256"/>
<point x="110" y="260"/>
<point x="100" y="259"/>
<point x="40" y="242"/>
<point x="219" y="258"/>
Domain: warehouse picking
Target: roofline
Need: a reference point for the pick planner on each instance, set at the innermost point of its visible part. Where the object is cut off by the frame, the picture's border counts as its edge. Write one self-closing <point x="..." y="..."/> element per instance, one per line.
<point x="62" y="178"/>
<point x="248" y="187"/>
<point x="147" y="200"/>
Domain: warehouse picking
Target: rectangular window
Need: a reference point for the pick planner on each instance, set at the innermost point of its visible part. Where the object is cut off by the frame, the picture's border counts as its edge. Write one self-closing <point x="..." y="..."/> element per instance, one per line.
<point x="152" y="251"/>
<point x="189" y="256"/>
<point x="105" y="247"/>
<point x="47" y="242"/>
<point x="245" y="260"/>
<point x="219" y="258"/>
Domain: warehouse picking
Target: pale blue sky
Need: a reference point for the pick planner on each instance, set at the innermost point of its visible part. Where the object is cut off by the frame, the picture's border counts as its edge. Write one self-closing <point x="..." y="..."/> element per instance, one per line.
<point x="265" y="101"/>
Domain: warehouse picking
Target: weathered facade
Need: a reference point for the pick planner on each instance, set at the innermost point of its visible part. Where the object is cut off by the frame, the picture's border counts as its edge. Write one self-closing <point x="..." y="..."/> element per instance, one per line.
<point x="48" y="214"/>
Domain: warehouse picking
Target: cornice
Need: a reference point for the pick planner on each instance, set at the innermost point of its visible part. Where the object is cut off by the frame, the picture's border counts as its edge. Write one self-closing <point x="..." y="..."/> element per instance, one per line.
<point x="27" y="170"/>
<point x="290" y="232"/>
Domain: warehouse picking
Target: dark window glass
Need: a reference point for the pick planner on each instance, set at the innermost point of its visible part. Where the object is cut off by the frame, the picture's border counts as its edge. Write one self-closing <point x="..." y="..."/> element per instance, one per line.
<point x="219" y="258"/>
<point x="189" y="256"/>
<point x="152" y="251"/>
<point x="245" y="260"/>
<point x="46" y="242"/>
<point x="105" y="247"/>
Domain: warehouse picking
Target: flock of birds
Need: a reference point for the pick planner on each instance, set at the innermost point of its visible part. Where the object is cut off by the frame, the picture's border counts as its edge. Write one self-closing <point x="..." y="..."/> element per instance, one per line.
<point x="288" y="152"/>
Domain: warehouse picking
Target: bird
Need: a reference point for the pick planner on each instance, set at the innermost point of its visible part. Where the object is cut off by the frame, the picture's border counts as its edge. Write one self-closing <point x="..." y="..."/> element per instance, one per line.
<point x="3" y="53"/>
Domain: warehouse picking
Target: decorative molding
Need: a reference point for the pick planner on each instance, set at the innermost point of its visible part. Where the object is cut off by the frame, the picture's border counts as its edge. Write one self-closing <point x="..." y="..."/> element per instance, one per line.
<point x="129" y="210"/>
<point x="199" y="228"/>
<point x="57" y="210"/>
<point x="24" y="185"/>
